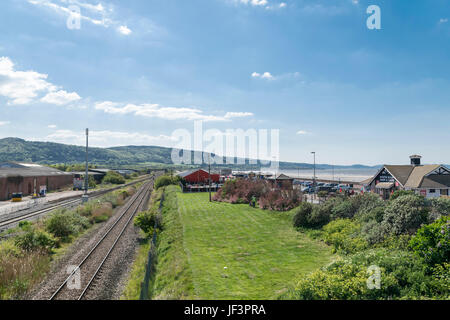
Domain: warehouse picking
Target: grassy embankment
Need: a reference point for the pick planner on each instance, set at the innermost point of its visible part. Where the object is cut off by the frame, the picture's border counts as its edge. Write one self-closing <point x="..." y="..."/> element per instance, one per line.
<point x="224" y="251"/>
<point x="26" y="256"/>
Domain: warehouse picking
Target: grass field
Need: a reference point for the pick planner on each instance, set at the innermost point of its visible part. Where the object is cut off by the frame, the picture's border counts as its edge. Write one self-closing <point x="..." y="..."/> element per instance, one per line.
<point x="238" y="252"/>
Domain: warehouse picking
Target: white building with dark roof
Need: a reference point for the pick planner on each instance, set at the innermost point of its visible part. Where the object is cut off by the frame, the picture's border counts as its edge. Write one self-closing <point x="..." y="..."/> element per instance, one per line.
<point x="431" y="181"/>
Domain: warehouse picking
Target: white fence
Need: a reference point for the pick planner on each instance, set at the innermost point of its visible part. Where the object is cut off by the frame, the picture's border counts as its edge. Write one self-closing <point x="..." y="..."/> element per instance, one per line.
<point x="15" y="207"/>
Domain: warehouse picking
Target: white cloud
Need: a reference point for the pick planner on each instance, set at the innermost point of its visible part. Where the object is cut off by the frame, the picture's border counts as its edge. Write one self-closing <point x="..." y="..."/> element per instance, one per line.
<point x="265" y="75"/>
<point x="443" y="20"/>
<point x="124" y="30"/>
<point x="302" y="132"/>
<point x="254" y="2"/>
<point x="52" y="126"/>
<point x="23" y="87"/>
<point x="230" y="115"/>
<point x="283" y="5"/>
<point x="166" y="113"/>
<point x="4" y="123"/>
<point x="108" y="138"/>
<point x="60" y="97"/>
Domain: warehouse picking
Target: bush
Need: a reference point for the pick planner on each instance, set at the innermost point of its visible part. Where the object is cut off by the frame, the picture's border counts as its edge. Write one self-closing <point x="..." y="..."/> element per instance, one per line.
<point x="375" y="215"/>
<point x="302" y="214"/>
<point x="244" y="190"/>
<point x="366" y="202"/>
<point x="344" y="236"/>
<point x="403" y="276"/>
<point x="33" y="240"/>
<point x="113" y="177"/>
<point x="101" y="213"/>
<point x="309" y="216"/>
<point x="432" y="242"/>
<point x="342" y="210"/>
<point x="405" y="215"/>
<point x="164" y="181"/>
<point x="400" y="193"/>
<point x="147" y="220"/>
<point x="65" y="224"/>
<point x="439" y="207"/>
<point x="374" y="232"/>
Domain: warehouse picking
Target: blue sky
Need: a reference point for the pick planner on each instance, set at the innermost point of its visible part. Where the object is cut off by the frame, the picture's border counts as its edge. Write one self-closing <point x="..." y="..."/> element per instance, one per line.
<point x="138" y="70"/>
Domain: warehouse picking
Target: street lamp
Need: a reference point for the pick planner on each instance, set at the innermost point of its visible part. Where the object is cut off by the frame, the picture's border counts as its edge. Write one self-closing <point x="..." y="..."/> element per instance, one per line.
<point x="314" y="178"/>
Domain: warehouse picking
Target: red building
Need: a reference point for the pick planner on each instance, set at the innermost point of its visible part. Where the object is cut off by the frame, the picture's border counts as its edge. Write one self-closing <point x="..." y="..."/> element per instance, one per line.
<point x="199" y="176"/>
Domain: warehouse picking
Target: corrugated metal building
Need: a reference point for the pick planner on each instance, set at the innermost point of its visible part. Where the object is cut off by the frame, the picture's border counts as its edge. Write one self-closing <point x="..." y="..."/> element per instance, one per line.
<point x="28" y="178"/>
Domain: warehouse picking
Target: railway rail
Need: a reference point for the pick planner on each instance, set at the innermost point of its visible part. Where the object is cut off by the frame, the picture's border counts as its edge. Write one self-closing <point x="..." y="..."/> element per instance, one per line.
<point x="5" y="224"/>
<point x="90" y="267"/>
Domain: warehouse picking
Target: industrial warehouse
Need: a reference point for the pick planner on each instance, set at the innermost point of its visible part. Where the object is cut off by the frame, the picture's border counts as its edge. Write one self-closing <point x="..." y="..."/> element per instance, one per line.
<point x="431" y="181"/>
<point x="30" y="179"/>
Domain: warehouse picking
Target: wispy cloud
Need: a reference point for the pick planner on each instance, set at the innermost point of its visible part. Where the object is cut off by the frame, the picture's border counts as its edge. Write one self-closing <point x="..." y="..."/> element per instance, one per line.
<point x="443" y="20"/>
<point x="97" y="14"/>
<point x="269" y="76"/>
<point x="302" y="132"/>
<point x="166" y="113"/>
<point x="4" y="123"/>
<point x="23" y="87"/>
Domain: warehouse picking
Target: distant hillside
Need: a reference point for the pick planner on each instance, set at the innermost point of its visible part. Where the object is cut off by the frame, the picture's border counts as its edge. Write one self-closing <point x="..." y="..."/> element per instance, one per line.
<point x="15" y="149"/>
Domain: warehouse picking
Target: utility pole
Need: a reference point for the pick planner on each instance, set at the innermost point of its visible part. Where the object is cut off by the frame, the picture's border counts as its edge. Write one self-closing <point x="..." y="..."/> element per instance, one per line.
<point x="314" y="178"/>
<point x="85" y="197"/>
<point x="209" y="176"/>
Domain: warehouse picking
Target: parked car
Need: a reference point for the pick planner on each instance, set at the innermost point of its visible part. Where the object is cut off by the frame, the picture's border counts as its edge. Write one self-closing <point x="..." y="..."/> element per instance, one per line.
<point x="308" y="189"/>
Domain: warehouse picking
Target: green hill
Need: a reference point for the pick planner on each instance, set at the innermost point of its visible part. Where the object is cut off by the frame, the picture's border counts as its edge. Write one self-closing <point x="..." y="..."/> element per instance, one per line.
<point x="15" y="149"/>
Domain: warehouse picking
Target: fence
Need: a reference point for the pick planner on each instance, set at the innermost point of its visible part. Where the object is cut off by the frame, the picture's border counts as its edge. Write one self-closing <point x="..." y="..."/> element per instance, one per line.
<point x="151" y="258"/>
<point x="16" y="207"/>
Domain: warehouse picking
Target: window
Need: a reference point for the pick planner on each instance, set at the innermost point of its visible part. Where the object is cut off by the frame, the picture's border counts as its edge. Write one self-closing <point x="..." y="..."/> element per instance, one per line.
<point x="432" y="191"/>
<point x="444" y="192"/>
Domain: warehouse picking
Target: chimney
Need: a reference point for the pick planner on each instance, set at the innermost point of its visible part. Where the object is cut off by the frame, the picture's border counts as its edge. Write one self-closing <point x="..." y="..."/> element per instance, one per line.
<point x="415" y="160"/>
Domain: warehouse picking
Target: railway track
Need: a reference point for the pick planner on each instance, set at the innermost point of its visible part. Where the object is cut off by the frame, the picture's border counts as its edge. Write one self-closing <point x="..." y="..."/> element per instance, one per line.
<point x="89" y="269"/>
<point x="5" y="224"/>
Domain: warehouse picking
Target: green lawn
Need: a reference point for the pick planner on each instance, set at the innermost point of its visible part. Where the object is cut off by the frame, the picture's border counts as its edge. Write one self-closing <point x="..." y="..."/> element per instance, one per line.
<point x="238" y="252"/>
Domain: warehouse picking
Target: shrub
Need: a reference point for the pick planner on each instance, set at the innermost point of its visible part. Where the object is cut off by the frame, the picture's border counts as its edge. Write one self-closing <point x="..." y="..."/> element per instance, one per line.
<point x="65" y="224"/>
<point x="320" y="216"/>
<point x="164" y="181"/>
<point x="33" y="240"/>
<point x="403" y="276"/>
<point x="400" y="193"/>
<point x="147" y="220"/>
<point x="374" y="232"/>
<point x="376" y="215"/>
<point x="309" y="216"/>
<point x="113" y="177"/>
<point x="342" y="210"/>
<point x="302" y="214"/>
<point x="432" y="242"/>
<point x="344" y="236"/>
<point x="366" y="202"/>
<point x="244" y="190"/>
<point x="439" y="207"/>
<point x="101" y="213"/>
<point x="405" y="215"/>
